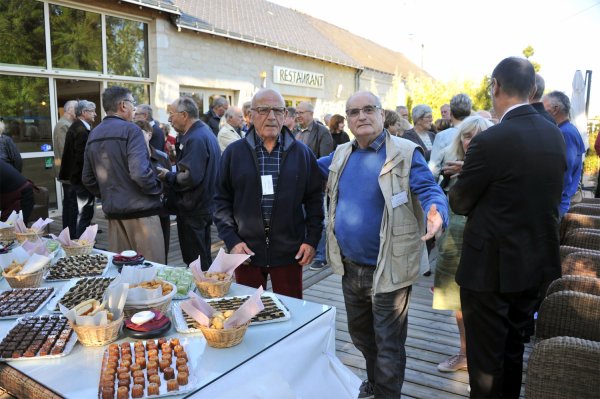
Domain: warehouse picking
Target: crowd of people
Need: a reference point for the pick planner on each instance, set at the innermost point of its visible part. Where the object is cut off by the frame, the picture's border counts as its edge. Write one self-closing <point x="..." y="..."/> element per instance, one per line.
<point x="291" y="191"/>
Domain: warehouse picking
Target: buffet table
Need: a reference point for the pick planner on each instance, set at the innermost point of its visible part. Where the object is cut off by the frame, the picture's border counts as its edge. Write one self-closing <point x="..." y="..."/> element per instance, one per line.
<point x="289" y="359"/>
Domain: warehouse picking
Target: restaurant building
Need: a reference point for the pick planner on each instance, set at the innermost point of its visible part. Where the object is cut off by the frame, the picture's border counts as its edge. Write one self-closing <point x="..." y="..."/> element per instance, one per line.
<point x="55" y="51"/>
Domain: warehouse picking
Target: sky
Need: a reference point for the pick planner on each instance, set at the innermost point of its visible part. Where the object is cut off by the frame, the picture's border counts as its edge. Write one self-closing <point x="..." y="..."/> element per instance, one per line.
<point x="465" y="39"/>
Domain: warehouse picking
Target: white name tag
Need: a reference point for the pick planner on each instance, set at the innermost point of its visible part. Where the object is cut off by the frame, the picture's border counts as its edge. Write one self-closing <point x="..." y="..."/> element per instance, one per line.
<point x="399" y="199"/>
<point x="180" y="147"/>
<point x="267" y="185"/>
<point x="174" y="168"/>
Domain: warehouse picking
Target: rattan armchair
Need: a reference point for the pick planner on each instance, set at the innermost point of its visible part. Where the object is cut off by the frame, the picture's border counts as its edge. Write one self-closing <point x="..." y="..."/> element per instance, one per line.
<point x="583" y="238"/>
<point x="565" y="250"/>
<point x="594" y="201"/>
<point x="571" y="314"/>
<point x="573" y="221"/>
<point x="581" y="263"/>
<point x="585" y="284"/>
<point x="565" y="368"/>
<point x="585" y="209"/>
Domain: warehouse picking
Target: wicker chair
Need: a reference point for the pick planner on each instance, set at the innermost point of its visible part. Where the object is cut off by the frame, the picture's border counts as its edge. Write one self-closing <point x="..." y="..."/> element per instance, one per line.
<point x="570" y="314"/>
<point x="581" y="264"/>
<point x="593" y="201"/>
<point x="583" y="238"/>
<point x="565" y="368"/>
<point x="585" y="209"/>
<point x="565" y="250"/>
<point x="585" y="284"/>
<point x="573" y="221"/>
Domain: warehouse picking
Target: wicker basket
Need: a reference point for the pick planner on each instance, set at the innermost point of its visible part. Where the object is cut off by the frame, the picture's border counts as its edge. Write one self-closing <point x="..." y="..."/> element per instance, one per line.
<point x="30" y="235"/>
<point x="32" y="280"/>
<point x="161" y="304"/>
<point x="79" y="249"/>
<point x="7" y="233"/>
<point x="210" y="289"/>
<point x="221" y="338"/>
<point x="98" y="335"/>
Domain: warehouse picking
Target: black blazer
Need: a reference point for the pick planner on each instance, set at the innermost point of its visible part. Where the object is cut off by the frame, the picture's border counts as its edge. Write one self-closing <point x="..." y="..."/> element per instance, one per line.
<point x="71" y="165"/>
<point x="414" y="137"/>
<point x="539" y="107"/>
<point x="158" y="137"/>
<point x="510" y="188"/>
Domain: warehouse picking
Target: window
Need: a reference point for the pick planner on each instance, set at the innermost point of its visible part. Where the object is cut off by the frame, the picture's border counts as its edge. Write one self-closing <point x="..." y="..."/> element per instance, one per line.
<point x="22" y="33"/>
<point x="76" y="39"/>
<point x="140" y="91"/>
<point x="126" y="43"/>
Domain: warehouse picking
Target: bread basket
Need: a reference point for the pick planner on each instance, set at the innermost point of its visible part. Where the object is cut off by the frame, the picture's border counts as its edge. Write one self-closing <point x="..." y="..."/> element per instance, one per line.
<point x="161" y="304"/>
<point x="214" y="289"/>
<point x="98" y="335"/>
<point x="224" y="338"/>
<point x="31" y="280"/>
<point x="79" y="249"/>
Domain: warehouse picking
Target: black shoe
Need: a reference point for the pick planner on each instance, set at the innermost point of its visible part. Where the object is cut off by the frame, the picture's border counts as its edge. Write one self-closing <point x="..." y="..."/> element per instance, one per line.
<point x="427" y="273"/>
<point x="316" y="266"/>
<point x="366" y="390"/>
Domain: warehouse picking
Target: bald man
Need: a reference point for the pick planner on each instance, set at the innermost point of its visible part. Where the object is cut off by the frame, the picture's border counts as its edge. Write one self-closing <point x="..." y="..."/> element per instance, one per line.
<point x="269" y="200"/>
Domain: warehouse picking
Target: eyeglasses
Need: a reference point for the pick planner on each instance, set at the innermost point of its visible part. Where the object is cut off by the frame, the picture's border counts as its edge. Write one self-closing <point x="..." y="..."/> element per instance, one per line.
<point x="367" y="110"/>
<point x="131" y="101"/>
<point x="90" y="110"/>
<point x="171" y="113"/>
<point x="303" y="112"/>
<point x="278" y="111"/>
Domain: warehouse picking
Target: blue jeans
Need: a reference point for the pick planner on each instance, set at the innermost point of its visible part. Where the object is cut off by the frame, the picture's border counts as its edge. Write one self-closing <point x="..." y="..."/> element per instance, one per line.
<point x="378" y="327"/>
<point x="320" y="253"/>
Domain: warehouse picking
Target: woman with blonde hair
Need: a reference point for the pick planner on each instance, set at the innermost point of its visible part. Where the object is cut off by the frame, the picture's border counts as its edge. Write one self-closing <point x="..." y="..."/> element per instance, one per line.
<point x="446" y="293"/>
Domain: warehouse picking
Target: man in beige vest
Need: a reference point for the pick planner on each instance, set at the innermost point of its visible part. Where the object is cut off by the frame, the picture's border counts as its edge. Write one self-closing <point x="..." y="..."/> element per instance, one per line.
<point x="379" y="186"/>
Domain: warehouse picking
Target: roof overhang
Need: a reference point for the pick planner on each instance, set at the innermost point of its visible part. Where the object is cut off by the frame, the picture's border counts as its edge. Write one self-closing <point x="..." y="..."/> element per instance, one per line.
<point x="159" y="5"/>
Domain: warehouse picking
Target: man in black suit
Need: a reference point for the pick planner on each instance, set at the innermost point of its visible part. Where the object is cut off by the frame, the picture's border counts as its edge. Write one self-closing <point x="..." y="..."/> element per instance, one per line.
<point x="143" y="112"/>
<point x="71" y="166"/>
<point x="535" y="99"/>
<point x="510" y="188"/>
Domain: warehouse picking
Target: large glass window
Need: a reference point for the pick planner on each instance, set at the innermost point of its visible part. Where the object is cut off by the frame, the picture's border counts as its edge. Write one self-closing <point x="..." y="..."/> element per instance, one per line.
<point x="126" y="46"/>
<point x="76" y="39"/>
<point x="22" y="33"/>
<point x="140" y="91"/>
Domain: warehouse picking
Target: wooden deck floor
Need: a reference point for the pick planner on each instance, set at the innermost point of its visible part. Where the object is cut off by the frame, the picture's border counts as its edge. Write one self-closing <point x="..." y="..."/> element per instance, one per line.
<point x="432" y="334"/>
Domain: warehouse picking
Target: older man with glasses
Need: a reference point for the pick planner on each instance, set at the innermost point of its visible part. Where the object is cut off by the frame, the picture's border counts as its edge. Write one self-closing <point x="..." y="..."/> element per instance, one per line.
<point x="269" y="201"/>
<point x="383" y="205"/>
<point x="117" y="169"/>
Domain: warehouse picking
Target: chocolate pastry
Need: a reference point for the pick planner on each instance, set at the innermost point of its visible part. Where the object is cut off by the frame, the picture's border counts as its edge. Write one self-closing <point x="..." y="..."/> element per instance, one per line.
<point x="78" y="266"/>
<point x="21" y="301"/>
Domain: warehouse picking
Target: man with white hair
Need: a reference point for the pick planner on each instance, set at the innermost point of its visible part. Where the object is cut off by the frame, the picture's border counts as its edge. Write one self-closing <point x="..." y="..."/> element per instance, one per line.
<point x="143" y="112"/>
<point x="69" y="198"/>
<point x="232" y="128"/>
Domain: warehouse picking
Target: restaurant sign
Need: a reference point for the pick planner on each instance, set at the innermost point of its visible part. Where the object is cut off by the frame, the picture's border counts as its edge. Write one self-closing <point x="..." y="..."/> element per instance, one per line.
<point x="295" y="77"/>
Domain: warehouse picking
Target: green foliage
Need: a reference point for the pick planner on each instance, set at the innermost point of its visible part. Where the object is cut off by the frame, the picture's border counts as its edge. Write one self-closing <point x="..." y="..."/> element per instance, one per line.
<point x="591" y="164"/>
<point x="528" y="51"/>
<point x="126" y="47"/>
<point x="22" y="33"/>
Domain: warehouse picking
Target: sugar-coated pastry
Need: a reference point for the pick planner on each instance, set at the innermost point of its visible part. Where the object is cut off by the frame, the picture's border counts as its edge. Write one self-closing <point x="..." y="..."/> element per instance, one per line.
<point x="182" y="378"/>
<point x="169" y="373"/>
<point x="155" y="379"/>
<point x="108" y="392"/>
<point x="138" y="373"/>
<point x="163" y="364"/>
<point x="137" y="391"/>
<point x="153" y="389"/>
<point x="139" y="381"/>
<point x="172" y="385"/>
<point x="123" y="393"/>
<point x="183" y="369"/>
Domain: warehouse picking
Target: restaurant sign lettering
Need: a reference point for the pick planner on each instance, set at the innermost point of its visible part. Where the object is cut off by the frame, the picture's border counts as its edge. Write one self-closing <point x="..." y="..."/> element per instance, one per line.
<point x="296" y="77"/>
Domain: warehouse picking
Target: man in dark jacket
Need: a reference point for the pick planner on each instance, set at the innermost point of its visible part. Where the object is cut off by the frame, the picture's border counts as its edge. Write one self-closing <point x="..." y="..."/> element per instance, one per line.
<point x="535" y="99"/>
<point x="510" y="188"/>
<point x="117" y="169"/>
<point x="143" y="112"/>
<point x="198" y="156"/>
<point x="213" y="117"/>
<point x="71" y="167"/>
<point x="269" y="202"/>
<point x="315" y="135"/>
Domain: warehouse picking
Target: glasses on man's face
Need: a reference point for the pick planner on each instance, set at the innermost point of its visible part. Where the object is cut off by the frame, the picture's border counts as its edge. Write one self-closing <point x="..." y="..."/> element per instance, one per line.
<point x="131" y="101"/>
<point x="171" y="113"/>
<point x="277" y="111"/>
<point x="367" y="110"/>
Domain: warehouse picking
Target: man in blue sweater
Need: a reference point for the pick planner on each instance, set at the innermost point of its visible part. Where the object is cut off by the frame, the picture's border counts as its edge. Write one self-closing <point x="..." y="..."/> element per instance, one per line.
<point x="269" y="202"/>
<point x="557" y="104"/>
<point x="379" y="186"/>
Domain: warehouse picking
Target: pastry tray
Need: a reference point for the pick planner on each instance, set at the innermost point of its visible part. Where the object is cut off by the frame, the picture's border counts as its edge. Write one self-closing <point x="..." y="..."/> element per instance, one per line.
<point x="108" y="263"/>
<point x="17" y="316"/>
<point x="51" y="307"/>
<point x="68" y="348"/>
<point x="193" y="378"/>
<point x="184" y="328"/>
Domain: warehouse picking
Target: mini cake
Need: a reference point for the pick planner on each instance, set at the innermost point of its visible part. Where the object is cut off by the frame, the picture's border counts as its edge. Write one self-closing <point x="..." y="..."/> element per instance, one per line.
<point x="182" y="378"/>
<point x="139" y="381"/>
<point x="153" y="389"/>
<point x="150" y="372"/>
<point x="172" y="385"/>
<point x="168" y="357"/>
<point x="169" y="373"/>
<point x="162" y="341"/>
<point x="137" y="391"/>
<point x="181" y="361"/>
<point x="141" y="361"/>
<point x="177" y="348"/>
<point x="183" y="369"/>
<point x="181" y="354"/>
<point x="152" y="352"/>
<point x="134" y="367"/>
<point x="163" y="364"/>
<point x="122" y="370"/>
<point x="154" y="379"/>
<point x="108" y="392"/>
<point x="123" y="393"/>
<point x="124" y="383"/>
<point x="153" y="359"/>
<point x="138" y="373"/>
<point x="174" y="341"/>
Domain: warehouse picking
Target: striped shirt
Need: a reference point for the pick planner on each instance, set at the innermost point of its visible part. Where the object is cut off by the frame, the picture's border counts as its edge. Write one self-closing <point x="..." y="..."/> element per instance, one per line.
<point x="375" y="145"/>
<point x="268" y="164"/>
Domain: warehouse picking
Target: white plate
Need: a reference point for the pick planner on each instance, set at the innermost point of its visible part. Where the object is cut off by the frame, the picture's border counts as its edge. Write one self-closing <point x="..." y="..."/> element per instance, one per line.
<point x="182" y="327"/>
<point x="193" y="379"/>
<point x="68" y="347"/>
<point x="16" y="316"/>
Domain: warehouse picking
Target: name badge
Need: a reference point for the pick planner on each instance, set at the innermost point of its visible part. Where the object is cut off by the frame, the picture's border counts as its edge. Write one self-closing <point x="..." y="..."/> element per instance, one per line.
<point x="399" y="199"/>
<point x="267" y="184"/>
<point x="174" y="168"/>
<point x="180" y="147"/>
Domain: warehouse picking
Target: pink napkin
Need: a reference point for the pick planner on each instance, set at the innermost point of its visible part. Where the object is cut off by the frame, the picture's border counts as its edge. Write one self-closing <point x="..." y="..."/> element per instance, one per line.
<point x="65" y="238"/>
<point x="20" y="226"/>
<point x="198" y="309"/>
<point x="223" y="263"/>
<point x="37" y="247"/>
<point x="40" y="224"/>
<point x="89" y="234"/>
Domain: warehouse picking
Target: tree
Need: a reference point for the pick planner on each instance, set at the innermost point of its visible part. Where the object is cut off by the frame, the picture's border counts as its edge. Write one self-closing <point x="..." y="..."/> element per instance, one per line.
<point x="528" y="52"/>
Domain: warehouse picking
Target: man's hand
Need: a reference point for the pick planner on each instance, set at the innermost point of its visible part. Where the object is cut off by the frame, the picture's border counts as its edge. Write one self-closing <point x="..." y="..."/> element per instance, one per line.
<point x="434" y="224"/>
<point x="242" y="248"/>
<point x="162" y="173"/>
<point x="306" y="253"/>
<point x="452" y="168"/>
